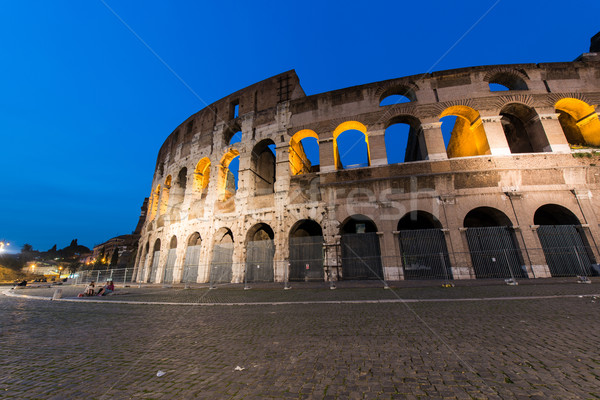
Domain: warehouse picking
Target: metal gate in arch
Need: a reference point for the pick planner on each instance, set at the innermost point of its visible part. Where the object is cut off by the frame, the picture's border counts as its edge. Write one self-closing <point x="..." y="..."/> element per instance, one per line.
<point x="494" y="252"/>
<point x="424" y="254"/>
<point x="565" y="250"/>
<point x="361" y="256"/>
<point x="221" y="265"/>
<point x="259" y="261"/>
<point x="306" y="258"/>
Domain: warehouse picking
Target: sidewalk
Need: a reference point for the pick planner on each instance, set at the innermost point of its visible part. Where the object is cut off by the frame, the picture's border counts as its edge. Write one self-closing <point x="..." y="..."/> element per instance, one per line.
<point x="321" y="292"/>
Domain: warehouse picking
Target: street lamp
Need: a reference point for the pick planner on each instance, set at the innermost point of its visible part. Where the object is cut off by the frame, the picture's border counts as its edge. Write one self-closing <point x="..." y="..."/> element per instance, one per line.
<point x="3" y="244"/>
<point x="59" y="271"/>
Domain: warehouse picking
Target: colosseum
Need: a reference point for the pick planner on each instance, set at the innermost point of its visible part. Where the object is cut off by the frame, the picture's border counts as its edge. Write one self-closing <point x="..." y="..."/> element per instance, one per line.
<point x="478" y="172"/>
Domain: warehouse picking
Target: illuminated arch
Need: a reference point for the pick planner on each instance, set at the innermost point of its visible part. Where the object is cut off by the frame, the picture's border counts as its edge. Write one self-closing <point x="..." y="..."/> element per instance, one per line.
<point x="202" y="175"/>
<point x="299" y="162"/>
<point x="579" y="121"/>
<point x="164" y="197"/>
<point x="468" y="136"/>
<point x="347" y="126"/>
<point x="154" y="202"/>
<point x="226" y="184"/>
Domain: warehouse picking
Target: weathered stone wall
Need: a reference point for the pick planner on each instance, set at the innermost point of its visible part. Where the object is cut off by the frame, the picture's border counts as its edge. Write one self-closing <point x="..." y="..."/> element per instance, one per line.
<point x="442" y="184"/>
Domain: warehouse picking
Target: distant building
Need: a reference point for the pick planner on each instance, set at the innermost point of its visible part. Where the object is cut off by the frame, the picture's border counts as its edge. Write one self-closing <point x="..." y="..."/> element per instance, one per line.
<point x="118" y="251"/>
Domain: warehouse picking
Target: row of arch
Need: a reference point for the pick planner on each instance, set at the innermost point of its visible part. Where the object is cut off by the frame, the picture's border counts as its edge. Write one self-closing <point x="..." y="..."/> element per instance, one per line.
<point x="462" y="128"/>
<point x="463" y="131"/>
<point x="421" y="239"/>
<point x="506" y="80"/>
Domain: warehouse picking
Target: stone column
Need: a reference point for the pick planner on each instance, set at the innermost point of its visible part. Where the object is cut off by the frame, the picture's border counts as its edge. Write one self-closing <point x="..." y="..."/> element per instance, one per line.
<point x="539" y="266"/>
<point x="326" y="155"/>
<point x="398" y="258"/>
<point x="590" y="221"/>
<point x="435" y="148"/>
<point x="377" y="150"/>
<point x="388" y="256"/>
<point x="555" y="134"/>
<point x="496" y="138"/>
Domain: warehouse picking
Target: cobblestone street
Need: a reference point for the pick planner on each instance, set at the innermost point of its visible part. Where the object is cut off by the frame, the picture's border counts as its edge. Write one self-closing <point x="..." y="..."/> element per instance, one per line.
<point x="542" y="348"/>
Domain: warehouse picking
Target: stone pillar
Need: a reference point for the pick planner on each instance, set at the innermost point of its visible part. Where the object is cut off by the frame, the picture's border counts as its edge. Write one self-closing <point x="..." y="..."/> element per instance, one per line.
<point x="555" y="134"/>
<point x="539" y="266"/>
<point x="435" y="148"/>
<point x="529" y="244"/>
<point x="462" y="266"/>
<point x="326" y="155"/>
<point x="388" y="256"/>
<point x="377" y="150"/>
<point x="456" y="240"/>
<point x="398" y="258"/>
<point x="495" y="135"/>
<point x="590" y="221"/>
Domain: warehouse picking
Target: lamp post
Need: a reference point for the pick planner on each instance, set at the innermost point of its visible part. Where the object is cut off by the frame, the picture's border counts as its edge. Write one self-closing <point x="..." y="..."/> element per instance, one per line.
<point x="59" y="271"/>
<point x="3" y="244"/>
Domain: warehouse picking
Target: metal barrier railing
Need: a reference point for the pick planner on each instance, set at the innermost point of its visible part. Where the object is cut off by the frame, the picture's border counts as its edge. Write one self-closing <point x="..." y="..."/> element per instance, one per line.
<point x="511" y="264"/>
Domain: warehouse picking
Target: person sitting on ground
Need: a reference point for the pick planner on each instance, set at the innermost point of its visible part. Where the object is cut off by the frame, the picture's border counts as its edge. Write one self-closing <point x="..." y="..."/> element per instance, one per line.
<point x="89" y="290"/>
<point x="108" y="288"/>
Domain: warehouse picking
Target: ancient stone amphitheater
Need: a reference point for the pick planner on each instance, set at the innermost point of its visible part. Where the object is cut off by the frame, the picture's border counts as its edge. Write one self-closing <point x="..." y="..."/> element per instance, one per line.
<point x="491" y="184"/>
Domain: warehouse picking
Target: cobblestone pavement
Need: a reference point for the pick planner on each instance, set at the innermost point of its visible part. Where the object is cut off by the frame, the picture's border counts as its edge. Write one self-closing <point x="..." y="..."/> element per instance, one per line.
<point x="496" y="349"/>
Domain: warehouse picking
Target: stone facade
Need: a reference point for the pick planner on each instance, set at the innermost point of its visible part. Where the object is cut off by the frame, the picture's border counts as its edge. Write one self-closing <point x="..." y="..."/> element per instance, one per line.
<point x="518" y="159"/>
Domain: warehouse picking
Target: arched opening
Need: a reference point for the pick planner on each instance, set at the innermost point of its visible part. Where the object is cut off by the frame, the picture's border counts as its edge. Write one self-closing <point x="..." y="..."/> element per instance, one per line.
<point x="155" y="261"/>
<point x="361" y="254"/>
<point x="579" y="121"/>
<point x="177" y="193"/>
<point x="263" y="167"/>
<point x="191" y="262"/>
<point x="154" y="197"/>
<point x="202" y="175"/>
<point x="260" y="250"/>
<point x="507" y="81"/>
<point x="394" y="99"/>
<point x="306" y="251"/>
<point x="493" y="245"/>
<point x="423" y="247"/>
<point x="171" y="258"/>
<point x="523" y="129"/>
<point x="144" y="262"/>
<point x="563" y="240"/>
<point x="496" y="87"/>
<point x="182" y="178"/>
<point x="164" y="196"/>
<point x="228" y="174"/>
<point x="397" y="95"/>
<point x="232" y="135"/>
<point x="222" y="260"/>
<point x="403" y="140"/>
<point x="464" y="135"/>
<point x="304" y="152"/>
<point x="351" y="146"/>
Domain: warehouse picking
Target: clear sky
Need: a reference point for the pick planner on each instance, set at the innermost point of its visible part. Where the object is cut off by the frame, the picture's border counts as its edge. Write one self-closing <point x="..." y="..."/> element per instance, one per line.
<point x="85" y="105"/>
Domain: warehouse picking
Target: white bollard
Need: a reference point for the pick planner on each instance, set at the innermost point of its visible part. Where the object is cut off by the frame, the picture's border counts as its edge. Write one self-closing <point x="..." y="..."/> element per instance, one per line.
<point x="57" y="294"/>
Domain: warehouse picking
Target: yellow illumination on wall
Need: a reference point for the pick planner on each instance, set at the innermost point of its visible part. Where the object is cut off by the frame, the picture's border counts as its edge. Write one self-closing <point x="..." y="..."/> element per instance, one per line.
<point x="585" y="117"/>
<point x="202" y="174"/>
<point x="154" y="202"/>
<point x="343" y="127"/>
<point x="468" y="137"/>
<point x="164" y="199"/>
<point x="299" y="163"/>
<point x="225" y="194"/>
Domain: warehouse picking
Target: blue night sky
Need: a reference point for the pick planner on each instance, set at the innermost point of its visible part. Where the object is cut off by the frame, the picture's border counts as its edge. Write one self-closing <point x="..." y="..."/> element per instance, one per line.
<point x="85" y="105"/>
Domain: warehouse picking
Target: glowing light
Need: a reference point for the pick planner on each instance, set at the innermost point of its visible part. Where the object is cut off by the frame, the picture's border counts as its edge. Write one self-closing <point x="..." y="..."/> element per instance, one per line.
<point x="343" y="127"/>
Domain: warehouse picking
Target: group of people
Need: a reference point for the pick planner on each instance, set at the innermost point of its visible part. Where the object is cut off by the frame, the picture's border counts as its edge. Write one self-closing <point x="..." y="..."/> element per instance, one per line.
<point x="90" y="289"/>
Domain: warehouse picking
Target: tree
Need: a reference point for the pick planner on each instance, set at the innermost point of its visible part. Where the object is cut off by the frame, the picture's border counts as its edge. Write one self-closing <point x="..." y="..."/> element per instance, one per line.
<point x="74" y="266"/>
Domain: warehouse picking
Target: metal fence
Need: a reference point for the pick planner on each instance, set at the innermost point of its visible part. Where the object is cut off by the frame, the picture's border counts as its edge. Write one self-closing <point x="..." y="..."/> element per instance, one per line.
<point x="555" y="259"/>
